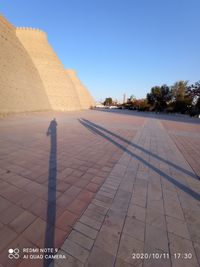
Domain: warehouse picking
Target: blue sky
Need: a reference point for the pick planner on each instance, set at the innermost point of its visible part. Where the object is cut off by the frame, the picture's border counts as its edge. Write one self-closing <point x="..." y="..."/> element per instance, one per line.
<point x="118" y="46"/>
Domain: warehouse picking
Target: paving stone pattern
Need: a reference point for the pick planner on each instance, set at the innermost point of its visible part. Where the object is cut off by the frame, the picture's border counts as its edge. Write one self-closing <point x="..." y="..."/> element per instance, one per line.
<point x="124" y="187"/>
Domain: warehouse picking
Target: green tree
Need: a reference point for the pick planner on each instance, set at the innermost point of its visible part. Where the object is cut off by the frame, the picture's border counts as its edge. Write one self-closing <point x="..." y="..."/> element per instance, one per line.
<point x="159" y="97"/>
<point x="181" y="99"/>
<point x="194" y="92"/>
<point x="143" y="105"/>
<point x="132" y="98"/>
<point x="108" y="101"/>
<point x="179" y="90"/>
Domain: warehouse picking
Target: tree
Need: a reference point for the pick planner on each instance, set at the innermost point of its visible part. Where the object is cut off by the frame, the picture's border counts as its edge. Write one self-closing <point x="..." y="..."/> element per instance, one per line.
<point x="179" y="90"/>
<point x="143" y="105"/>
<point x="195" y="89"/>
<point x="181" y="99"/>
<point x="159" y="97"/>
<point x="108" y="101"/>
<point x="194" y="92"/>
<point x="132" y="98"/>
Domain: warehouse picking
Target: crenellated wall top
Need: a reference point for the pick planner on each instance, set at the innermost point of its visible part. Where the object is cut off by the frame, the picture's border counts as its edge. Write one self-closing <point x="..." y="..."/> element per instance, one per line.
<point x="29" y="29"/>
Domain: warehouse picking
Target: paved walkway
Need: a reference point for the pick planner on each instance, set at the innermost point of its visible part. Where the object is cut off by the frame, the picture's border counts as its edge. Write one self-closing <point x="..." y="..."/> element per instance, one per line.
<point x="120" y="186"/>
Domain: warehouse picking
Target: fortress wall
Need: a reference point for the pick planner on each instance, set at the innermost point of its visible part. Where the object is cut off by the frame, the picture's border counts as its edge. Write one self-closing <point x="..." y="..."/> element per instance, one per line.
<point x="86" y="99"/>
<point x="59" y="88"/>
<point x="21" y="88"/>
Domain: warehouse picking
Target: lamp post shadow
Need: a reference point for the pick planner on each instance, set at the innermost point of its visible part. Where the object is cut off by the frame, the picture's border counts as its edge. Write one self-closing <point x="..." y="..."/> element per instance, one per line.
<point x="51" y="204"/>
<point x="103" y="133"/>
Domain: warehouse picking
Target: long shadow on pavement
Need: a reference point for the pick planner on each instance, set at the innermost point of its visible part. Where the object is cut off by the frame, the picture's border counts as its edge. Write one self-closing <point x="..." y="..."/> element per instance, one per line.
<point x="143" y="149"/>
<point x="51" y="208"/>
<point x="181" y="186"/>
<point x="153" y="115"/>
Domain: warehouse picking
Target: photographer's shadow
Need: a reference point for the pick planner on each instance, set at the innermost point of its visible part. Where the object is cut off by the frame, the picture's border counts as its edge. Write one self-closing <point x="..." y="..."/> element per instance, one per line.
<point x="51" y="205"/>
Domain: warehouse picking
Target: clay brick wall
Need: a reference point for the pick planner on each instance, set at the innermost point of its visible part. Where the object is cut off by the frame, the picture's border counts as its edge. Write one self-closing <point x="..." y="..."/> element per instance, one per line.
<point x="32" y="78"/>
<point x="85" y="98"/>
<point x="59" y="88"/>
<point x="21" y="88"/>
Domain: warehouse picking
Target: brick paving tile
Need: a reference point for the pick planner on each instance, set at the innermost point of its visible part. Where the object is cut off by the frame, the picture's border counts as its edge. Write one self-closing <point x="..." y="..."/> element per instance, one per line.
<point x="134" y="228"/>
<point x="81" y="183"/>
<point x="58" y="237"/>
<point x="35" y="230"/>
<point x="51" y="195"/>
<point x="77" y="173"/>
<point x="94" y="215"/>
<point x="73" y="191"/>
<point x="156" y="238"/>
<point x="71" y="180"/>
<point x="156" y="219"/>
<point x="128" y="248"/>
<point x="15" y="179"/>
<point x="19" y="243"/>
<point x="108" y="240"/>
<point x="62" y="186"/>
<point x="181" y="245"/>
<point x="67" y="218"/>
<point x="77" y="206"/>
<point x="177" y="227"/>
<point x="99" y="258"/>
<point x="9" y="214"/>
<point x="194" y="232"/>
<point x="98" y="180"/>
<point x="132" y="186"/>
<point x="68" y="261"/>
<point x="156" y="205"/>
<point x="191" y="214"/>
<point x="92" y="187"/>
<point x="27" y="200"/>
<point x="4" y="204"/>
<point x="22" y="221"/>
<point x="106" y="194"/>
<point x="139" y="200"/>
<point x="81" y="239"/>
<point x="12" y="193"/>
<point x="114" y="221"/>
<point x="173" y="208"/>
<point x="197" y="251"/>
<point x="119" y="206"/>
<point x="99" y="209"/>
<point x="103" y="198"/>
<point x="39" y="207"/>
<point x="64" y="200"/>
<point x="33" y="263"/>
<point x="86" y="230"/>
<point x="160" y="258"/>
<point x="96" y="202"/>
<point x="120" y="263"/>
<point x="86" y="195"/>
<point x="136" y="212"/>
<point x="75" y="250"/>
<point x="90" y="222"/>
<point x="7" y="235"/>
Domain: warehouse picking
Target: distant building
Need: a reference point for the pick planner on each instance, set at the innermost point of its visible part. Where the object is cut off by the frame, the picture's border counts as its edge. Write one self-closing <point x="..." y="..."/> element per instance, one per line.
<point x="124" y="98"/>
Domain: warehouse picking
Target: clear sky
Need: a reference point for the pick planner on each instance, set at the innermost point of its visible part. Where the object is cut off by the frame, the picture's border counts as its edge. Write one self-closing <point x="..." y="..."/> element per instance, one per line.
<point x="118" y="46"/>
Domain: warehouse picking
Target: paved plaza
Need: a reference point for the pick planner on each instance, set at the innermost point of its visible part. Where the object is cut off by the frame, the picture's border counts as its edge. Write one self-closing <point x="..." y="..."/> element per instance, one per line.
<point x="106" y="188"/>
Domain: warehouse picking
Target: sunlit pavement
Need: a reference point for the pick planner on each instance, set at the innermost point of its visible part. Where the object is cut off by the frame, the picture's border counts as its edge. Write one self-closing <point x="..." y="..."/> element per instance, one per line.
<point x="105" y="188"/>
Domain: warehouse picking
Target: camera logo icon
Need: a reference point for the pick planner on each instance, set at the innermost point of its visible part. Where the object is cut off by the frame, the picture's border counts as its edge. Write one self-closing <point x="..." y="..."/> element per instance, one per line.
<point x="13" y="253"/>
